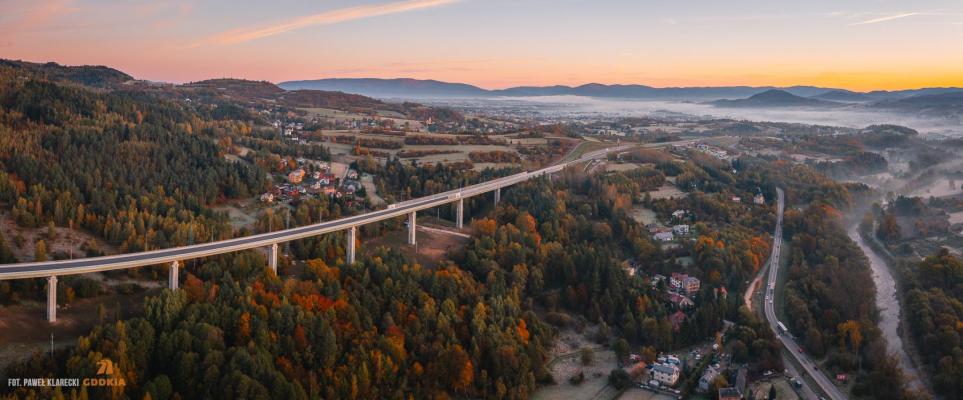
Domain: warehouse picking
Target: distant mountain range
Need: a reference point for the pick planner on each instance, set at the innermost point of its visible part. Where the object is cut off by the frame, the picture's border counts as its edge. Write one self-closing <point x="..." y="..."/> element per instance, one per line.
<point x="931" y="103"/>
<point x="415" y="88"/>
<point x="939" y="102"/>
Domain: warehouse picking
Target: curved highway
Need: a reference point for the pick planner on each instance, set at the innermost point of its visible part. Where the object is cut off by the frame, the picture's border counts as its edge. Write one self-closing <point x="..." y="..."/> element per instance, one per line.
<point x="130" y="260"/>
<point x="794" y="348"/>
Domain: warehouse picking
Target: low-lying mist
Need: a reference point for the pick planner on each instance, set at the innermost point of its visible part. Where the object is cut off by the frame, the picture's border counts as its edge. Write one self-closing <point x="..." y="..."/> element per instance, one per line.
<point x="578" y="106"/>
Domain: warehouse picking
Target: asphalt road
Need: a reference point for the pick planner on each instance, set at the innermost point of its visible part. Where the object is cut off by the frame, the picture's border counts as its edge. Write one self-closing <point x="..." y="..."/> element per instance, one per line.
<point x="824" y="383"/>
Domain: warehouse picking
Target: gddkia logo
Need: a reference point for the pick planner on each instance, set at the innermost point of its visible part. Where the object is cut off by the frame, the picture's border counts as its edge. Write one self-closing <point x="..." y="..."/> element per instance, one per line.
<point x="105" y="367"/>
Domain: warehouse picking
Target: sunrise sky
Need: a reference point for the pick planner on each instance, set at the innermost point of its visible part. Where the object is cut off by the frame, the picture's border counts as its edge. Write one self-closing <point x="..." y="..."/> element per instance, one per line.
<point x="862" y="45"/>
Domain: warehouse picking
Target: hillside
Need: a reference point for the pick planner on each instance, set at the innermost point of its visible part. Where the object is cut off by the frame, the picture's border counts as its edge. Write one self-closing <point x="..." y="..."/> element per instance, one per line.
<point x="88" y="75"/>
<point x="228" y="92"/>
<point x="775" y="98"/>
<point x="948" y="104"/>
<point x="390" y="88"/>
<point x="845" y="96"/>
<point x="67" y="143"/>
<point x="237" y="88"/>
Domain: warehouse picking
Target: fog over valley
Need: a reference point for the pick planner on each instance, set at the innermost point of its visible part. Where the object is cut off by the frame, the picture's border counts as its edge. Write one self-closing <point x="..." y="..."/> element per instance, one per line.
<point x="580" y="107"/>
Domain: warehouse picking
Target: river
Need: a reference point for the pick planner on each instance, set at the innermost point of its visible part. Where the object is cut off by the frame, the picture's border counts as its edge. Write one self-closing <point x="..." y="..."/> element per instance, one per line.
<point x="889" y="310"/>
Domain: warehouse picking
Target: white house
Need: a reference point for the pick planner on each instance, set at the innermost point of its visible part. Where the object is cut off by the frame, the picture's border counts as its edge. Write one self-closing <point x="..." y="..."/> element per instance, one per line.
<point x="681" y="230"/>
<point x="683" y="282"/>
<point x="666" y="374"/>
<point x="678" y="214"/>
<point x="664" y="236"/>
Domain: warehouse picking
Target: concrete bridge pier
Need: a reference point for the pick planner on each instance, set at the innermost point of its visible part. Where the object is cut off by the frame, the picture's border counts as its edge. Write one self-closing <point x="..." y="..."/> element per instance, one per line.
<point x="352" y="240"/>
<point x="173" y="278"/>
<point x="52" y="299"/>
<point x="273" y="258"/>
<point x="498" y="195"/>
<point x="460" y="214"/>
<point x="412" y="228"/>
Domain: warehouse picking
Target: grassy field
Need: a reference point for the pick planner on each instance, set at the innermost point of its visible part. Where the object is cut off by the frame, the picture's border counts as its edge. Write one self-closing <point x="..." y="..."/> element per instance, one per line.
<point x="66" y="241"/>
<point x="459" y="152"/>
<point x="621" y="167"/>
<point x="432" y="248"/>
<point x="565" y="362"/>
<point x="667" y="191"/>
<point x="642" y="215"/>
<point x="327" y="113"/>
<point x="783" y="390"/>
<point x="239" y="217"/>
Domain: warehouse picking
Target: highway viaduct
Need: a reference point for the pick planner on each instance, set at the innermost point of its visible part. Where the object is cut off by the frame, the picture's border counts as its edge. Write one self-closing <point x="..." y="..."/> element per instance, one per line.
<point x="174" y="256"/>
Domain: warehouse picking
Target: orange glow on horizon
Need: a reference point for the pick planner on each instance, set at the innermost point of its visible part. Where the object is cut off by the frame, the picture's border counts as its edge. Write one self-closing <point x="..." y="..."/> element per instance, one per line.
<point x="862" y="48"/>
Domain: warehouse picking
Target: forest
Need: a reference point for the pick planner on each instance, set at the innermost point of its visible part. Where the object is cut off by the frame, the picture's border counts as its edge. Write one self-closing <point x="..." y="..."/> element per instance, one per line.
<point x="827" y="303"/>
<point x="386" y="327"/>
<point x="934" y="295"/>
<point x="62" y="145"/>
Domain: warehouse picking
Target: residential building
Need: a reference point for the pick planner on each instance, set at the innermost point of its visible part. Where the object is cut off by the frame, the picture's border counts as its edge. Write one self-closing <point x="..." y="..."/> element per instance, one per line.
<point x="681" y="230"/>
<point x="267" y="197"/>
<point x="705" y="381"/>
<point x="729" y="393"/>
<point x="691" y="285"/>
<point x="351" y="186"/>
<point x="759" y="199"/>
<point x="663" y="236"/>
<point x="326" y="179"/>
<point x="675" y="280"/>
<point x="296" y="176"/>
<point x="736" y="199"/>
<point x="665" y="374"/>
<point x="684" y="283"/>
<point x="678" y="214"/>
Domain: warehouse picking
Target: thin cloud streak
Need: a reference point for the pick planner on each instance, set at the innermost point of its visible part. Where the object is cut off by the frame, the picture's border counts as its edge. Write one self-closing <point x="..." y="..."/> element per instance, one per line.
<point x="242" y="35"/>
<point x="887" y="18"/>
<point x="37" y="16"/>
